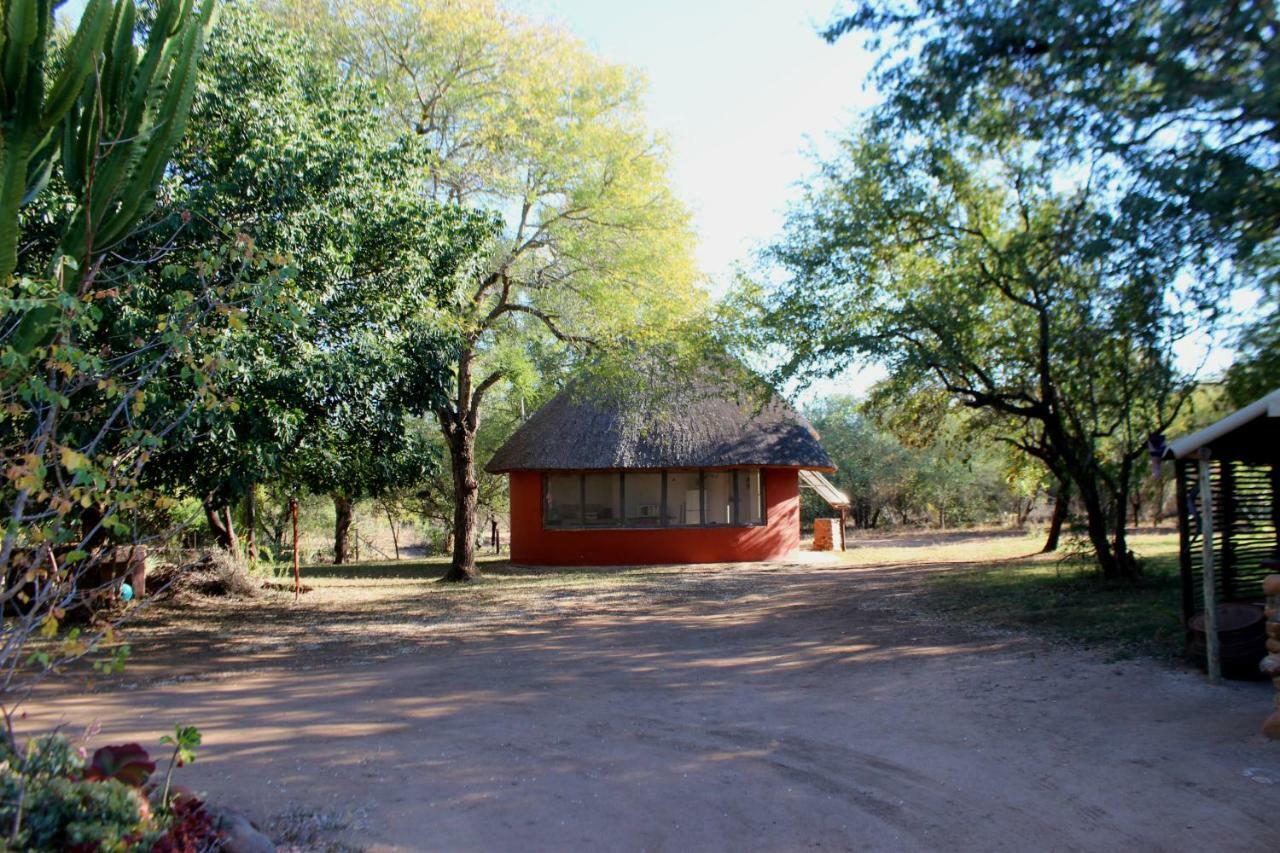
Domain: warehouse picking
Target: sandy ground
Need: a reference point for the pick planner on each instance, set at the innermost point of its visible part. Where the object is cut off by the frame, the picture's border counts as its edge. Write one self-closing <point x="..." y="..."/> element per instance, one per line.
<point x="802" y="705"/>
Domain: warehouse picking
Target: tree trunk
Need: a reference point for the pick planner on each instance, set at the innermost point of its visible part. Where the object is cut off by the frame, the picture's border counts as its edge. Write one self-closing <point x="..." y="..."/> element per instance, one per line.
<point x="395" y="537"/>
<point x="220" y="525"/>
<point x="341" y="529"/>
<point x="1109" y="545"/>
<point x="465" y="492"/>
<point x="251" y="522"/>
<point x="1061" y="508"/>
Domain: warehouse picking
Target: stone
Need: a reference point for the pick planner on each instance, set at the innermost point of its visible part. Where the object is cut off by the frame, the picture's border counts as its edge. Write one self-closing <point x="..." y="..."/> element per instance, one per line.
<point x="1271" y="666"/>
<point x="1277" y="701"/>
<point x="1273" y="630"/>
<point x="1273" y="646"/>
<point x="1271" y="728"/>
<point x="1271" y="585"/>
<point x="239" y="835"/>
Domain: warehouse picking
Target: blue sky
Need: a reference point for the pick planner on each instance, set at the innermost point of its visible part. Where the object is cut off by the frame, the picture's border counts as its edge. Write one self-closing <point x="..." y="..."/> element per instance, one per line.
<point x="745" y="92"/>
<point x="739" y="88"/>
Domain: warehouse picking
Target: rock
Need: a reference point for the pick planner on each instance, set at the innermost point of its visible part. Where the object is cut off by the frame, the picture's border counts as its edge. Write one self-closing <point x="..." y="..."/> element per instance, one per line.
<point x="239" y="835"/>
<point x="1277" y="701"/>
<point x="1271" y="666"/>
<point x="1271" y="585"/>
<point x="1271" y="728"/>
<point x="1273" y="630"/>
<point x="1273" y="646"/>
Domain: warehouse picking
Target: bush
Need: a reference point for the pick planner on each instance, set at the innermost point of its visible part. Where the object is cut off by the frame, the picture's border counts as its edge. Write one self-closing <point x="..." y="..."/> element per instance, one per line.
<point x="52" y="798"/>
<point x="218" y="573"/>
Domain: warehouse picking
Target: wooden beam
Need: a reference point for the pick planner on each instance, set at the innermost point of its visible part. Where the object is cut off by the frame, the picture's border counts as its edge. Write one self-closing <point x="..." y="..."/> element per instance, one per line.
<point x="1183" y="473"/>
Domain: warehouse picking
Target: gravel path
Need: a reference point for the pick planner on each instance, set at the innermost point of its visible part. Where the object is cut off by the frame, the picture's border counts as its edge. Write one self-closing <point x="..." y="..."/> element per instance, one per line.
<point x="763" y="707"/>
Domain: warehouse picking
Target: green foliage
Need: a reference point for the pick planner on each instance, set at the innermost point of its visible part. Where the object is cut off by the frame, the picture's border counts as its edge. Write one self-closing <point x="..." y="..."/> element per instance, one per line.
<point x="1256" y="370"/>
<point x="294" y="154"/>
<point x="51" y="799"/>
<point x="1177" y="95"/>
<point x="592" y="251"/>
<point x="1172" y="101"/>
<point x="84" y="342"/>
<point x="972" y="272"/>
<point x="934" y="479"/>
<point x="61" y="813"/>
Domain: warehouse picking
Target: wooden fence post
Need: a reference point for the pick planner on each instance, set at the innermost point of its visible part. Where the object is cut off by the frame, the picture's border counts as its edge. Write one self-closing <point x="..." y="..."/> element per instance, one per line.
<point x="1210" y="593"/>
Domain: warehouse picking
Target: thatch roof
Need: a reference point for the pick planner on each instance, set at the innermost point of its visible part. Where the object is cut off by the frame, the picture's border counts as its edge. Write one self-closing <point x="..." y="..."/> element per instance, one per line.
<point x="704" y="427"/>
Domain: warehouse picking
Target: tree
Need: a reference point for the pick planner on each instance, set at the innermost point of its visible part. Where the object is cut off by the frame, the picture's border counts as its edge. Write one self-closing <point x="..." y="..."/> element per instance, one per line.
<point x="966" y="268"/>
<point x="285" y="151"/>
<point x="82" y="341"/>
<point x="895" y="465"/>
<point x="1256" y="369"/>
<point x="594" y="249"/>
<point x="1179" y="95"/>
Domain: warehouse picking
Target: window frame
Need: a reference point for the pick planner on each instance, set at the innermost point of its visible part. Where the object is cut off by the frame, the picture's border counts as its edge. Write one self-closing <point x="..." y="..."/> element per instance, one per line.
<point x="580" y="525"/>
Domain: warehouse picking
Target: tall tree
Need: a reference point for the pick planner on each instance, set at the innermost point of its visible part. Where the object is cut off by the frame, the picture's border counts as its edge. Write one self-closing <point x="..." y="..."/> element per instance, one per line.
<point x="297" y="159"/>
<point x="521" y="119"/>
<point x="969" y="269"/>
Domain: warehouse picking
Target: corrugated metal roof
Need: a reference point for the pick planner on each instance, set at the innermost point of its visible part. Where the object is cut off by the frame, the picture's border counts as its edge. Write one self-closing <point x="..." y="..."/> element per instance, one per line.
<point x="825" y="489"/>
<point x="1267" y="407"/>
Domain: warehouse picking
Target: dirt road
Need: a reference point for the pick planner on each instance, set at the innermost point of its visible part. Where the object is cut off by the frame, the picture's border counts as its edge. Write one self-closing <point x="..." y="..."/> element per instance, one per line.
<point x="755" y="708"/>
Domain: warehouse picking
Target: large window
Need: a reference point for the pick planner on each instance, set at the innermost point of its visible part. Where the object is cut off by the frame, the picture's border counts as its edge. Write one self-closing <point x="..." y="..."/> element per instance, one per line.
<point x="602" y="500"/>
<point x="562" y="501"/>
<point x="749" y="497"/>
<point x="684" y="498"/>
<point x="654" y="499"/>
<point x="643" y="496"/>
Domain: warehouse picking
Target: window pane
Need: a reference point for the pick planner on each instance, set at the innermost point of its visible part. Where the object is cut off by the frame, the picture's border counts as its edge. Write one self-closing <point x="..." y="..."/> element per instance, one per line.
<point x="750" y="497"/>
<point x="644" y="499"/>
<point x="684" y="500"/>
<point x="604" y="501"/>
<point x="563" y="501"/>
<point x="719" y="486"/>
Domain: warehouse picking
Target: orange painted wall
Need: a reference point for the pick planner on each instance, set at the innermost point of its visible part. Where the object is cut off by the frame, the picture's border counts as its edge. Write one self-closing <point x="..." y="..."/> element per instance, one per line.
<point x="532" y="545"/>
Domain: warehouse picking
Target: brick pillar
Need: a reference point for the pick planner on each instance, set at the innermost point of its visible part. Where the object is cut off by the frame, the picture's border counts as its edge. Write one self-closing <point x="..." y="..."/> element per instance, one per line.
<point x="1271" y="663"/>
<point x="824" y="534"/>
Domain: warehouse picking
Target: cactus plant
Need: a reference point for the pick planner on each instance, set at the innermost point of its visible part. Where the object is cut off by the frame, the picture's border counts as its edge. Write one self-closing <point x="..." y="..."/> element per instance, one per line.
<point x="110" y="118"/>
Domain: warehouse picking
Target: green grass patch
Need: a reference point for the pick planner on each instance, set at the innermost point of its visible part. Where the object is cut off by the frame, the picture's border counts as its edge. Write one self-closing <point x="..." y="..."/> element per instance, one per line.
<point x="1067" y="600"/>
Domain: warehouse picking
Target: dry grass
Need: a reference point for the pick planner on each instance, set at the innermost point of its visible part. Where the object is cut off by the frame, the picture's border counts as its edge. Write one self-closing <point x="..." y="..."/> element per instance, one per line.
<point x="376" y="610"/>
<point x="1062" y="597"/>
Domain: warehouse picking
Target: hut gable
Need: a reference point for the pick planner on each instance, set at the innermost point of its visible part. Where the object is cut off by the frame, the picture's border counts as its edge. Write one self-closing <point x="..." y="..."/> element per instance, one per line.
<point x="705" y="427"/>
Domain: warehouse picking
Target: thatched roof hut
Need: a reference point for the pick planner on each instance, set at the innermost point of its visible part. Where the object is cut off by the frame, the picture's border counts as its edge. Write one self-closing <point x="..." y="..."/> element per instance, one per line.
<point x="702" y="472"/>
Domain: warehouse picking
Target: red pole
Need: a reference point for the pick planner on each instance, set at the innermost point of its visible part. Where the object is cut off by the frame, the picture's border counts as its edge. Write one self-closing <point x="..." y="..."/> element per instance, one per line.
<point x="297" y="575"/>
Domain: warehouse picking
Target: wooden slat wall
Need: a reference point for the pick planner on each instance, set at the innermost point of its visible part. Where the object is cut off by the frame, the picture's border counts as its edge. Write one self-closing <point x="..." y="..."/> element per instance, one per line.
<point x="1245" y="531"/>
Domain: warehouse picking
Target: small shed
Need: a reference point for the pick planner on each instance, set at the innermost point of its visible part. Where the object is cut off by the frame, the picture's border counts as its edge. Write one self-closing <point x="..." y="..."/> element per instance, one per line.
<point x="687" y="475"/>
<point x="1242" y="456"/>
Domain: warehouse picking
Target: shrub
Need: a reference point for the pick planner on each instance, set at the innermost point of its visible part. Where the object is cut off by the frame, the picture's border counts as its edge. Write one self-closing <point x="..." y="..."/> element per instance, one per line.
<point x="51" y="798"/>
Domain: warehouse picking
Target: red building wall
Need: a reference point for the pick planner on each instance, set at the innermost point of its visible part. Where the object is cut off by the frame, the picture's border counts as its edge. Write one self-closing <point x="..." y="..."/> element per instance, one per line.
<point x="532" y="545"/>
